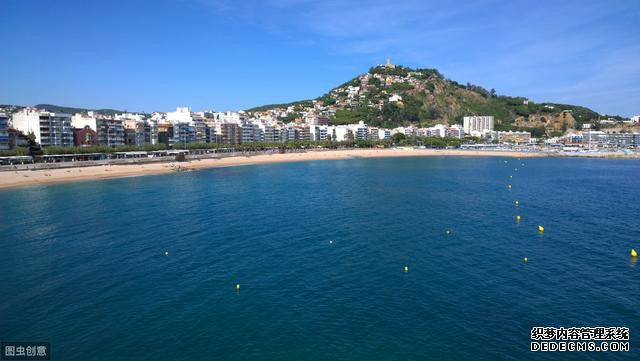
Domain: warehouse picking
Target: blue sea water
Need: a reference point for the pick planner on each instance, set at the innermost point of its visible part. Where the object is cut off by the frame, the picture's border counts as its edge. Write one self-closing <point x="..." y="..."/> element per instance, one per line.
<point x="83" y="265"/>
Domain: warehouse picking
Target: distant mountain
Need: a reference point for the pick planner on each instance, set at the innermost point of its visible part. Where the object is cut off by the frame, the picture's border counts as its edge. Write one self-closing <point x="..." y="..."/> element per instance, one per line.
<point x="71" y="110"/>
<point x="425" y="97"/>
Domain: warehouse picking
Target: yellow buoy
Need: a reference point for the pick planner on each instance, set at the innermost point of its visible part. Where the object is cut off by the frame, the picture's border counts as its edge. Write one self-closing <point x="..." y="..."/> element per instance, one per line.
<point x="406" y="269"/>
<point x="525" y="259"/>
<point x="634" y="253"/>
<point x="517" y="218"/>
<point x="509" y="186"/>
<point x="237" y="286"/>
<point x="540" y="229"/>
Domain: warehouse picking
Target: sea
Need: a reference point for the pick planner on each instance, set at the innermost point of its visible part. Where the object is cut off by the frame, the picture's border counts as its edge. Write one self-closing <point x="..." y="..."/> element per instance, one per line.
<point x="306" y="261"/>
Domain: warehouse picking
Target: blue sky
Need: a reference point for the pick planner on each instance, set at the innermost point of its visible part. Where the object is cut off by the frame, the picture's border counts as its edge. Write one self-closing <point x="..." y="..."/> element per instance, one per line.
<point x="229" y="55"/>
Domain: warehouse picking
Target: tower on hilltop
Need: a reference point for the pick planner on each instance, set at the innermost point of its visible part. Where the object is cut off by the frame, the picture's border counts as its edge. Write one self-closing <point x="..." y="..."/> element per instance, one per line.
<point x="388" y="64"/>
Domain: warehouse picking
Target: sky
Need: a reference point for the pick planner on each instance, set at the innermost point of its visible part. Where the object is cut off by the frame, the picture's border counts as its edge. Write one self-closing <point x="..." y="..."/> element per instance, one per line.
<point x="156" y="55"/>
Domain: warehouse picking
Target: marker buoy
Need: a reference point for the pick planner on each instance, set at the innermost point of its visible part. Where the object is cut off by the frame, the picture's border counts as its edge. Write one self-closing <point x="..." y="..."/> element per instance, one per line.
<point x="166" y="253"/>
<point x="517" y="218"/>
<point x="510" y="176"/>
<point x="406" y="269"/>
<point x="509" y="186"/>
<point x="517" y="203"/>
<point x="540" y="229"/>
<point x="525" y="259"/>
<point x="634" y="253"/>
<point x="330" y="242"/>
<point x="237" y="286"/>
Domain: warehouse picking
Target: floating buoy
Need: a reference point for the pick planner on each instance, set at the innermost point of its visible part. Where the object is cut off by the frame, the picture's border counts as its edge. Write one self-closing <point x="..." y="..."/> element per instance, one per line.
<point x="448" y="232"/>
<point x="237" y="286"/>
<point x="510" y="176"/>
<point x="330" y="242"/>
<point x="166" y="253"/>
<point x="506" y="162"/>
<point x="515" y="169"/>
<point x="525" y="259"/>
<point x="634" y="253"/>
<point x="517" y="218"/>
<point x="540" y="229"/>
<point x="509" y="186"/>
<point x="406" y="269"/>
<point x="522" y="164"/>
<point x="517" y="203"/>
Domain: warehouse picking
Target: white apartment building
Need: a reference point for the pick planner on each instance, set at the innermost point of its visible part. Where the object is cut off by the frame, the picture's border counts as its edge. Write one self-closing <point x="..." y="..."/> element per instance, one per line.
<point x="477" y="123"/>
<point x="318" y="132"/>
<point x="384" y="134"/>
<point x="439" y="130"/>
<point x="181" y="115"/>
<point x="48" y="128"/>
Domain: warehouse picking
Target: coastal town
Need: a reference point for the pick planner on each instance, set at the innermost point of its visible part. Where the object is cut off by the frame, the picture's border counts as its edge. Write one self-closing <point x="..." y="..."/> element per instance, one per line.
<point x="385" y="96"/>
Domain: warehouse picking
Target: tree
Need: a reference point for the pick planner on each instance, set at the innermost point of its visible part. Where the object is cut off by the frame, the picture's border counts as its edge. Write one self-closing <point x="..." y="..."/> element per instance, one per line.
<point x="34" y="148"/>
<point x="398" y="137"/>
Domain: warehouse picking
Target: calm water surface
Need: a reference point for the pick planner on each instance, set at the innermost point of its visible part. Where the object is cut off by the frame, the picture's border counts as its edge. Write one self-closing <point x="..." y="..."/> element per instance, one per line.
<point x="83" y="265"/>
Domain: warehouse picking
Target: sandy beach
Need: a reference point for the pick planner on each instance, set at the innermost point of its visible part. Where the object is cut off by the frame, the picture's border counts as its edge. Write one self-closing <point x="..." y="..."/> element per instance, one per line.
<point x="24" y="178"/>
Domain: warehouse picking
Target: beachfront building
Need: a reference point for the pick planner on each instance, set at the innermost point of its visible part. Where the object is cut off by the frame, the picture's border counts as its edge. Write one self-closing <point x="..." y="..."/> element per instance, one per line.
<point x="318" y="132"/>
<point x="4" y="131"/>
<point x="360" y="131"/>
<point x="49" y="129"/>
<point x="455" y="131"/>
<point x="270" y="133"/>
<point x="374" y="136"/>
<point x="110" y="131"/>
<point x="599" y="139"/>
<point x="251" y="132"/>
<point x="140" y="132"/>
<point x="229" y="133"/>
<point x="477" y="123"/>
<point x="84" y="137"/>
<point x="183" y="133"/>
<point x="514" y="137"/>
<point x="438" y="131"/>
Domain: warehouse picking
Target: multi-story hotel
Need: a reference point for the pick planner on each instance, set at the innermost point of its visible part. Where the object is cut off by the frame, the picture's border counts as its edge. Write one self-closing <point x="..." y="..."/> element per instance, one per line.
<point x="477" y="123"/>
<point x="49" y="129"/>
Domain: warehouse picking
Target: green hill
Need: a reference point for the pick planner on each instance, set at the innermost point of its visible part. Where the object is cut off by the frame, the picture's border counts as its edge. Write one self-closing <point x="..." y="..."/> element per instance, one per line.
<point x="427" y="98"/>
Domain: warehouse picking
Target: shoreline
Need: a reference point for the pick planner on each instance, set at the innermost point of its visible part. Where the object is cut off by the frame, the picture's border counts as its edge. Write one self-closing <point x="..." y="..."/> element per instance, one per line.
<point x="27" y="178"/>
